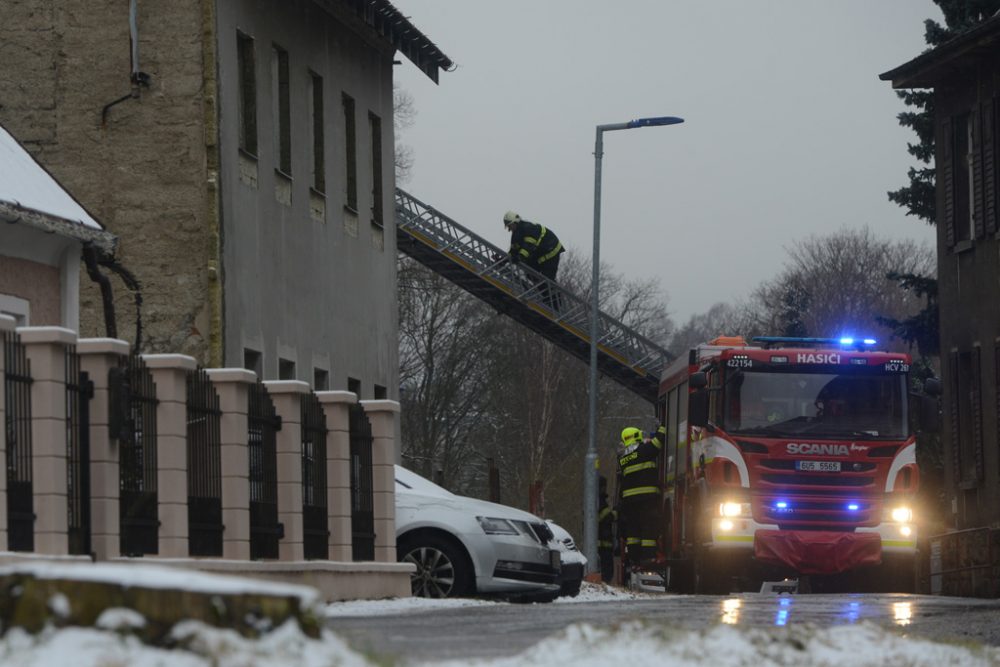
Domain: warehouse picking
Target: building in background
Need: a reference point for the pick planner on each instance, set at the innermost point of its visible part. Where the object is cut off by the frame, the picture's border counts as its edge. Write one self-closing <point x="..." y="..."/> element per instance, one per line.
<point x="243" y="154"/>
<point x="965" y="76"/>
<point x="43" y="233"/>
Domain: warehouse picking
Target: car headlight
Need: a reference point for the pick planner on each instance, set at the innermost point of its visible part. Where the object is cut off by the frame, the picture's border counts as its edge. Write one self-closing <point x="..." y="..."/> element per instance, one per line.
<point x="731" y="509"/>
<point x="901" y="514"/>
<point x="495" y="526"/>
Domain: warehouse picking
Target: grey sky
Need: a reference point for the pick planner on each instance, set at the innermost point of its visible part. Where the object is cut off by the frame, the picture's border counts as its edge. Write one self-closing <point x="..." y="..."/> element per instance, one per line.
<point x="788" y="131"/>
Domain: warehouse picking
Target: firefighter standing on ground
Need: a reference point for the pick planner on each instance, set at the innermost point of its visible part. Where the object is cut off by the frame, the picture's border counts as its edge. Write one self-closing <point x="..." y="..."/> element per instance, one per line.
<point x="606" y="518"/>
<point x="534" y="245"/>
<point x="639" y="491"/>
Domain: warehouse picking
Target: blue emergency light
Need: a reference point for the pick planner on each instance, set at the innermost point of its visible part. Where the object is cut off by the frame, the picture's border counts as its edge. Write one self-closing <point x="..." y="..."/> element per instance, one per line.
<point x="844" y="341"/>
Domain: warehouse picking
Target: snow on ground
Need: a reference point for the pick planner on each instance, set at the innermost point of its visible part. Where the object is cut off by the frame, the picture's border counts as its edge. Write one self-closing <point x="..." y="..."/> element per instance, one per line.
<point x="636" y="644"/>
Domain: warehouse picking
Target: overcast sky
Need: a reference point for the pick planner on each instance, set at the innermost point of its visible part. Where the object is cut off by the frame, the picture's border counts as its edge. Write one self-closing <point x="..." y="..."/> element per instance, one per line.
<point x="788" y="131"/>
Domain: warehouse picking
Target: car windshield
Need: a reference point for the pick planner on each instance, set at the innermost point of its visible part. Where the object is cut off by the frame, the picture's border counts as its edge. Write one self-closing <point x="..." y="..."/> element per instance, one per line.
<point x="819" y="402"/>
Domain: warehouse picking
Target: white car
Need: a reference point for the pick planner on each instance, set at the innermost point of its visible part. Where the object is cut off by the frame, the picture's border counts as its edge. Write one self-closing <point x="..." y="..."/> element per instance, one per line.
<point x="574" y="563"/>
<point x="463" y="546"/>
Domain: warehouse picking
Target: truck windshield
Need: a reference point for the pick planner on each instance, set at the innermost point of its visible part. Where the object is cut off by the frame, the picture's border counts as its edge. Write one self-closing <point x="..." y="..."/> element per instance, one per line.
<point x="824" y="401"/>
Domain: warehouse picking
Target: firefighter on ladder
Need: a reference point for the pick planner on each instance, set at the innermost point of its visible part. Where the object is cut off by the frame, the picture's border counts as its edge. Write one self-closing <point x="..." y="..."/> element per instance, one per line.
<point x="538" y="248"/>
<point x="640" y="495"/>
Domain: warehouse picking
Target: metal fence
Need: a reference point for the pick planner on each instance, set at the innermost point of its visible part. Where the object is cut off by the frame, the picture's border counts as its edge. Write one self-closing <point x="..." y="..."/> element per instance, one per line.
<point x="362" y="497"/>
<point x="133" y="422"/>
<point x="79" y="391"/>
<point x="17" y="404"/>
<point x="204" y="466"/>
<point x="263" y="424"/>
<point x="316" y="533"/>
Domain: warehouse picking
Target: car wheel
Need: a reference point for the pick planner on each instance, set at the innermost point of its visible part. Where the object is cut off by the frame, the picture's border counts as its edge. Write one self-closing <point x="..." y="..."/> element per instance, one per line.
<point x="570" y="589"/>
<point x="442" y="570"/>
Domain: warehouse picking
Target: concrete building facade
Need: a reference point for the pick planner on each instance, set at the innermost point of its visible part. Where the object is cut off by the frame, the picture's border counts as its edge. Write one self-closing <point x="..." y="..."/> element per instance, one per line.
<point x="242" y="151"/>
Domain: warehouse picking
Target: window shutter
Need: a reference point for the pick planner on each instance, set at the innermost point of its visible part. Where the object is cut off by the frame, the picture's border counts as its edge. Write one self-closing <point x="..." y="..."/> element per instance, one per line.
<point x="976" y="149"/>
<point x="989" y="165"/>
<point x="976" y="398"/>
<point x="946" y="167"/>
<point x="956" y="456"/>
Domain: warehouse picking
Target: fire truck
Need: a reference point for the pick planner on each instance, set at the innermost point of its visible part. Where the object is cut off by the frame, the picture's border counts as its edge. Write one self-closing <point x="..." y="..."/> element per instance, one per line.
<point x="789" y="458"/>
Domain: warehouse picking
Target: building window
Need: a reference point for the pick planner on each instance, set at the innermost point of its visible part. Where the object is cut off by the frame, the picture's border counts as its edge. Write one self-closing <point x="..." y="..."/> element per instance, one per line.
<point x="354" y="385"/>
<point x="16" y="307"/>
<point x="963" y="185"/>
<point x="282" y="108"/>
<point x="286" y="369"/>
<point x="321" y="379"/>
<point x="375" y="126"/>
<point x="247" y="93"/>
<point x="319" y="155"/>
<point x="350" y="150"/>
<point x="253" y="361"/>
<point x="380" y="393"/>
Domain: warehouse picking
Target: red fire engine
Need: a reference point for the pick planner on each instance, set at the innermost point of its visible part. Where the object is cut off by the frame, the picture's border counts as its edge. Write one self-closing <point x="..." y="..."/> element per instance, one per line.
<point x="787" y="457"/>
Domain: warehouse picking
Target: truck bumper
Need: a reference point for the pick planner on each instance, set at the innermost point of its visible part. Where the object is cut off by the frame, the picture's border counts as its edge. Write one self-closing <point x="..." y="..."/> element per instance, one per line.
<point x="818" y="552"/>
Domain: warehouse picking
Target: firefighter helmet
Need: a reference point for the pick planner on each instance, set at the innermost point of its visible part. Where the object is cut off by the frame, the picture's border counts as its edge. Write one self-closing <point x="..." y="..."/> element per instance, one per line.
<point x="631" y="435"/>
<point x="510" y="217"/>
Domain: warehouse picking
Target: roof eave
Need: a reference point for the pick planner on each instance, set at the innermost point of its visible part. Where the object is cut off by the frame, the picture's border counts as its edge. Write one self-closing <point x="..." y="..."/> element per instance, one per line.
<point x="927" y="69"/>
<point x="12" y="213"/>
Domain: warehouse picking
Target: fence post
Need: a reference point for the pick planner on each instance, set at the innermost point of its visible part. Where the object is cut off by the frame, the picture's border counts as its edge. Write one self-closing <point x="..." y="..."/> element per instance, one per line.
<point x="169" y="373"/>
<point x="45" y="348"/>
<point x="287" y="397"/>
<point x="97" y="357"/>
<point x="7" y="326"/>
<point x="338" y="471"/>
<point x="232" y="386"/>
<point x="382" y="415"/>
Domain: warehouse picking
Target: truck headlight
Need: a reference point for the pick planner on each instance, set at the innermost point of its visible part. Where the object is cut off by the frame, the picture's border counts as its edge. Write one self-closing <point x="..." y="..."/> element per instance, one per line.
<point x="901" y="514"/>
<point x="495" y="526"/>
<point x="730" y="509"/>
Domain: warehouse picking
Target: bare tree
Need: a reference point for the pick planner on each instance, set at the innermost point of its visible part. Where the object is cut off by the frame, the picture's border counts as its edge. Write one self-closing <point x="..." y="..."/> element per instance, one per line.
<point x="404" y="112"/>
<point x="839" y="284"/>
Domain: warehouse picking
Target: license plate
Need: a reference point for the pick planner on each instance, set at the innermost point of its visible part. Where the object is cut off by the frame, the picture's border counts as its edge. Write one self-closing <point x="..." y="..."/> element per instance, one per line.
<point x="818" y="466"/>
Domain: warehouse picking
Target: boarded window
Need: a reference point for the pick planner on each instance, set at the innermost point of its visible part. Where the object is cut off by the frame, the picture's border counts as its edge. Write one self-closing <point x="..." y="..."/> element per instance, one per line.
<point x="247" y="93"/>
<point x="282" y="108"/>
<point x="351" y="154"/>
<point x="319" y="155"/>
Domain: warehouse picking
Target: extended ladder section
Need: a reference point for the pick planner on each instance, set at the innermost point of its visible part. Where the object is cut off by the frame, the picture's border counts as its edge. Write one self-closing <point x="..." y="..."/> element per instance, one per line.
<point x="482" y="269"/>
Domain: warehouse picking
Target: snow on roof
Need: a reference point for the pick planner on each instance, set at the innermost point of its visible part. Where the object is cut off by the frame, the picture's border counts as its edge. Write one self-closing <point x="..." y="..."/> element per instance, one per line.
<point x="24" y="183"/>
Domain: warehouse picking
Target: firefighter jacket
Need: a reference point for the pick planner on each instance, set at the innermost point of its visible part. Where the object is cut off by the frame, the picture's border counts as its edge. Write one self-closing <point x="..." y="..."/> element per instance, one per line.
<point x="533" y="244"/>
<point x="638" y="467"/>
<point x="606" y="518"/>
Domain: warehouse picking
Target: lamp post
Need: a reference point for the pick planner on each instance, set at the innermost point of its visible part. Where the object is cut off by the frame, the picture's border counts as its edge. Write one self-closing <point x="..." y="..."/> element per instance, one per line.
<point x="590" y="461"/>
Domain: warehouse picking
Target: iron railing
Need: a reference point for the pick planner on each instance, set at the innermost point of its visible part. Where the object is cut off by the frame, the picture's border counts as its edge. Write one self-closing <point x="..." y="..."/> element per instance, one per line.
<point x="204" y="466"/>
<point x="79" y="391"/>
<point x="362" y="503"/>
<point x="133" y="422"/>
<point x="17" y="406"/>
<point x="263" y="423"/>
<point x="315" y="526"/>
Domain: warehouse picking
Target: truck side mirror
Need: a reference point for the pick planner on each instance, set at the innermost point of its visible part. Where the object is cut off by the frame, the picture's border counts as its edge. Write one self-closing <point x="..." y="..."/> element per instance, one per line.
<point x="930" y="419"/>
<point x="932" y="387"/>
<point x="698" y="408"/>
<point x="698" y="380"/>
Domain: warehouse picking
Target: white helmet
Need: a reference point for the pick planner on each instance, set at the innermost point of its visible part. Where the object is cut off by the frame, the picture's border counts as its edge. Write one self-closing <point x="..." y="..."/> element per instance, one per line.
<point x="510" y="217"/>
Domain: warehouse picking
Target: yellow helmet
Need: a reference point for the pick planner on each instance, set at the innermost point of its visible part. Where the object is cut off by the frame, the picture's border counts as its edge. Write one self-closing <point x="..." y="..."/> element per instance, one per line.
<point x="631" y="435"/>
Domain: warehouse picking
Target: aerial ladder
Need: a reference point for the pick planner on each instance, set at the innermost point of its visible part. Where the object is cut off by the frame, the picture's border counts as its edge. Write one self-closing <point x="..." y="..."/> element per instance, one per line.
<point x="563" y="318"/>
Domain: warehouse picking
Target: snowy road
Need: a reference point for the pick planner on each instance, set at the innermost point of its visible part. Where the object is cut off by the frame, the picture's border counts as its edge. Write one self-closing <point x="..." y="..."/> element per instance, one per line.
<point x="432" y="631"/>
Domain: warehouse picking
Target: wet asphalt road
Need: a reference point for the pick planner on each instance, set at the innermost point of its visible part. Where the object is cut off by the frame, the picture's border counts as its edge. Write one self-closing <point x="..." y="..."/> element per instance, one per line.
<point x="508" y="629"/>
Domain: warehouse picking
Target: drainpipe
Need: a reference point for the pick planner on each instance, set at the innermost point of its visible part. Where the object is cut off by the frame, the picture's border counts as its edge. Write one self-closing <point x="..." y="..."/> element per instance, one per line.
<point x="107" y="298"/>
<point x="137" y="77"/>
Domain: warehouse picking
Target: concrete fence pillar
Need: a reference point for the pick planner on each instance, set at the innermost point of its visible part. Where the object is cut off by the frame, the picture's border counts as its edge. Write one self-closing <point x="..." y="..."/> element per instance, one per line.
<point x="233" y="387"/>
<point x="287" y="397"/>
<point x="336" y="407"/>
<point x="97" y="357"/>
<point x="7" y="326"/>
<point x="382" y="415"/>
<point x="169" y="373"/>
<point x="45" y="348"/>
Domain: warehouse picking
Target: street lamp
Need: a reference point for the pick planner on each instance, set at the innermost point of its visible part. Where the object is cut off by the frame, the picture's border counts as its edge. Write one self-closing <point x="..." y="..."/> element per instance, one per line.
<point x="590" y="461"/>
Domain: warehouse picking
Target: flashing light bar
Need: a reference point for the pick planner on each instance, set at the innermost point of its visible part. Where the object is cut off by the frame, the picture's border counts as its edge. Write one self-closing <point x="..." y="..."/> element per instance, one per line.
<point x="846" y="341"/>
